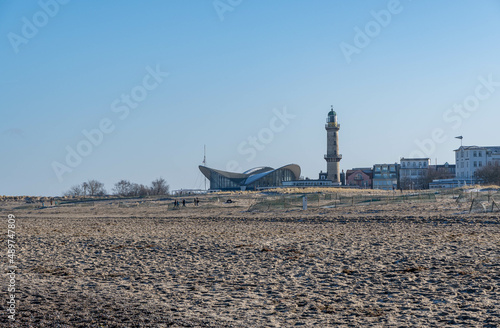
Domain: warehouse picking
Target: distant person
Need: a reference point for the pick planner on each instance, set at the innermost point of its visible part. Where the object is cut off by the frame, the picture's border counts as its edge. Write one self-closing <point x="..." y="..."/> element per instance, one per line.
<point x="184" y="203"/>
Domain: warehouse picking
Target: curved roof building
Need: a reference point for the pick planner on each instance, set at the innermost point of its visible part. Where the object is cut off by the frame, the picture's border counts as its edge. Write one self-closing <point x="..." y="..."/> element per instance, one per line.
<point x="259" y="177"/>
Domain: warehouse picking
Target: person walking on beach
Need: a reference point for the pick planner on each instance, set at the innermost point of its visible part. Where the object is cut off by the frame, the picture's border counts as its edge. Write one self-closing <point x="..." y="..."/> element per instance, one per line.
<point x="183" y="203"/>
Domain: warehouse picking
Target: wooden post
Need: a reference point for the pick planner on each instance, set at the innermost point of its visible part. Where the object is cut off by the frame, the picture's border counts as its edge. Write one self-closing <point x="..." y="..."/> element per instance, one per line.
<point x="494" y="203"/>
<point x="471" y="204"/>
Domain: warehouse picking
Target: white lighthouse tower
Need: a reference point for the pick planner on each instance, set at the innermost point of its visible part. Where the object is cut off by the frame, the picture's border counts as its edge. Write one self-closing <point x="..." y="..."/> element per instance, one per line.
<point x="332" y="156"/>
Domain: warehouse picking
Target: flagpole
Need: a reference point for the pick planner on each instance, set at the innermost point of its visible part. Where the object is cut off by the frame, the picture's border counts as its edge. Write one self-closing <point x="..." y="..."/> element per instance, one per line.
<point x="205" y="162"/>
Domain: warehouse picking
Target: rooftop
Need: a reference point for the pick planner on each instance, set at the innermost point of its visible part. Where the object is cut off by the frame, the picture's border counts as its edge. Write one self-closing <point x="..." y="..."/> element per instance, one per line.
<point x="495" y="149"/>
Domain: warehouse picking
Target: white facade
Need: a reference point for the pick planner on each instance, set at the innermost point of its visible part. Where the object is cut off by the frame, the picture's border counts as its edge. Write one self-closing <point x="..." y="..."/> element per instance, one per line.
<point x="469" y="159"/>
<point x="413" y="172"/>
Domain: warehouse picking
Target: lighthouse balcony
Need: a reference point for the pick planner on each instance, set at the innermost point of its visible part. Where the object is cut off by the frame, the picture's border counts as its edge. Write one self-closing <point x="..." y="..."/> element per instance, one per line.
<point x="331" y="125"/>
<point x="331" y="158"/>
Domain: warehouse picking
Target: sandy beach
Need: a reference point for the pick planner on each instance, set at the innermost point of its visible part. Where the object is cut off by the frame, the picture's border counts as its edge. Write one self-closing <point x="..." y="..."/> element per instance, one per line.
<point x="224" y="265"/>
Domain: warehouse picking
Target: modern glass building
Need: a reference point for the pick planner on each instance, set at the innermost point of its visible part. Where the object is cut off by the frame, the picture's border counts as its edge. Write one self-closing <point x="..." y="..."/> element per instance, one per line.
<point x="254" y="179"/>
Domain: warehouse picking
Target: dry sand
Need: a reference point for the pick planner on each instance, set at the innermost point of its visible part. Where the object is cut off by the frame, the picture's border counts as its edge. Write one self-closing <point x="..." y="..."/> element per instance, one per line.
<point x="405" y="265"/>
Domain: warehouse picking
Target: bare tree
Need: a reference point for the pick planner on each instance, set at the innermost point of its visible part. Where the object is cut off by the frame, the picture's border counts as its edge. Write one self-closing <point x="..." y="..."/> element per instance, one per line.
<point x="405" y="183"/>
<point x="123" y="188"/>
<point x="139" y="190"/>
<point x="489" y="174"/>
<point x="96" y="188"/>
<point x="76" y="190"/>
<point x="434" y="174"/>
<point x="159" y="187"/>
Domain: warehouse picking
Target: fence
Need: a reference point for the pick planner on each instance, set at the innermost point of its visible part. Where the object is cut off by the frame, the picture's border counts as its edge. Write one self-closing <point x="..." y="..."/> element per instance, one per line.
<point x="480" y="201"/>
<point x="337" y="200"/>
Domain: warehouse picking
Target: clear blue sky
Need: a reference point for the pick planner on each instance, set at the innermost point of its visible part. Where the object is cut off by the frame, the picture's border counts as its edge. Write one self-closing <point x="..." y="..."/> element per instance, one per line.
<point x="231" y="67"/>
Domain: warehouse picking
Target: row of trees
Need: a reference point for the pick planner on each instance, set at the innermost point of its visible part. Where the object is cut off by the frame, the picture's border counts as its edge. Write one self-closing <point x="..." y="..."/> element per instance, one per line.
<point x="89" y="188"/>
<point x="127" y="188"/>
<point x="121" y="188"/>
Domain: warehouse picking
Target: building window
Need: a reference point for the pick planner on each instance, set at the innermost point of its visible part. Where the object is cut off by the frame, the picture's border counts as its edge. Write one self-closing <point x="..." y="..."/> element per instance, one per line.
<point x="480" y="164"/>
<point x="479" y="154"/>
<point x="462" y="164"/>
<point x="462" y="153"/>
<point x="474" y="154"/>
<point x="475" y="164"/>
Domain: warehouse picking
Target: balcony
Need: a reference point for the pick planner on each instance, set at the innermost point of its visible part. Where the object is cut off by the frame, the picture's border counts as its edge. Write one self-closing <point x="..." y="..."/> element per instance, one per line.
<point x="332" y="125"/>
<point x="337" y="157"/>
